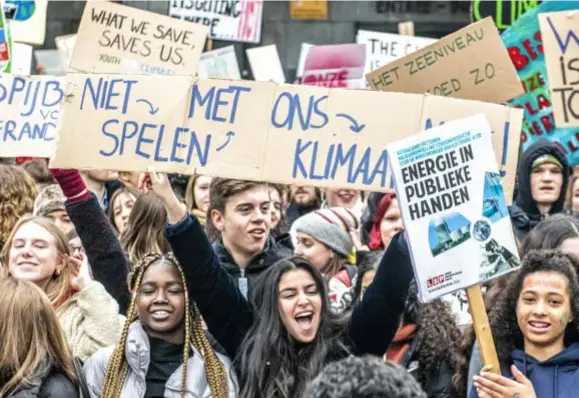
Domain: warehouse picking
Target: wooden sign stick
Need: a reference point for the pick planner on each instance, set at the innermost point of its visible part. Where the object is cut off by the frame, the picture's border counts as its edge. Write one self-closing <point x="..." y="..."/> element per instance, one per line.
<point x="406" y="28"/>
<point x="480" y="322"/>
<point x="209" y="45"/>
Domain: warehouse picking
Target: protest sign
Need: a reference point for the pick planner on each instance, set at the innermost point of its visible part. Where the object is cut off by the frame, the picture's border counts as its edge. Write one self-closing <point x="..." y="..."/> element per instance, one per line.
<point x="29" y="115"/>
<point x="471" y="63"/>
<point x="219" y="64"/>
<point x="256" y="130"/>
<point x="265" y="64"/>
<point x="309" y="9"/>
<point x="560" y="34"/>
<point x="453" y="206"/>
<point x="5" y="44"/>
<point x="383" y="48"/>
<point x="50" y="60"/>
<point x="335" y="65"/>
<point x="22" y="59"/>
<point x="27" y="20"/>
<point x="113" y="38"/>
<point x="234" y="20"/>
<point x="305" y="48"/>
<point x="65" y="45"/>
<point x="525" y="47"/>
<point x="503" y="12"/>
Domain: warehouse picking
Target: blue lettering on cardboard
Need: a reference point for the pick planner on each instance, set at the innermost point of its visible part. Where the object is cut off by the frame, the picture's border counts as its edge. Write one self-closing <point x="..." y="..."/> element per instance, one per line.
<point x="295" y="109"/>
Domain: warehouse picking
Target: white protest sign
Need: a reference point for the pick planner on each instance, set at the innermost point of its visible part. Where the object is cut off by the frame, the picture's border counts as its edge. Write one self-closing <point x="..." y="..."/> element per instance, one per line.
<point x="219" y="64"/>
<point x="50" y="60"/>
<point x="265" y="64"/>
<point x="382" y="48"/>
<point x="65" y="46"/>
<point x="233" y="20"/>
<point x="29" y="115"/>
<point x="113" y="38"/>
<point x="255" y="130"/>
<point x="453" y="205"/>
<point x="27" y="20"/>
<point x="302" y="60"/>
<point x="22" y="59"/>
<point x="560" y="35"/>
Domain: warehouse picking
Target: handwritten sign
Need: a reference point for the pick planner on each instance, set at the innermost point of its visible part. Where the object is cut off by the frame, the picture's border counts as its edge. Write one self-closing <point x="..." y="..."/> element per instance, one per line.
<point x="65" y="45"/>
<point x="27" y="20"/>
<point x="219" y="64"/>
<point x="309" y="9"/>
<point x="256" y="130"/>
<point x="560" y="33"/>
<point x="525" y="47"/>
<point x="503" y="12"/>
<point x="383" y="48"/>
<point x="29" y="115"/>
<point x="234" y="20"/>
<point x="265" y="64"/>
<point x="113" y="38"/>
<point x="471" y="63"/>
<point x="335" y="65"/>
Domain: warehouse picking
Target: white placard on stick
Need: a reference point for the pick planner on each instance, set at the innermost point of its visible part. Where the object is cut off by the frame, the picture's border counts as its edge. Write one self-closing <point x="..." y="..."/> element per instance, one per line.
<point x="265" y="64"/>
<point x="65" y="46"/>
<point x="219" y="64"/>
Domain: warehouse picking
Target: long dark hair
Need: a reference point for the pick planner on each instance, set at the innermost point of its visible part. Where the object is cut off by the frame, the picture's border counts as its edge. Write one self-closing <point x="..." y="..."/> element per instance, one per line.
<point x="551" y="233"/>
<point x="503" y="319"/>
<point x="289" y="365"/>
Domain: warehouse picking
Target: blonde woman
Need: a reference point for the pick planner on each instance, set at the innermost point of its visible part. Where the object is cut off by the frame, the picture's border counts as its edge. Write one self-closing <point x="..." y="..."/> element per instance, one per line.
<point x="34" y="358"/>
<point x="163" y="351"/>
<point x="37" y="251"/>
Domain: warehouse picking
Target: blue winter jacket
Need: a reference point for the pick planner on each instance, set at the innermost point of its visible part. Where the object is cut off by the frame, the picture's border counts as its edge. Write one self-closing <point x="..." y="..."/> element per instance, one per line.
<point x="557" y="377"/>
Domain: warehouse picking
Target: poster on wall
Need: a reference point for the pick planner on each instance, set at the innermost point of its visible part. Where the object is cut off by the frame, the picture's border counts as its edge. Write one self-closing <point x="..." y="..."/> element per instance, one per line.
<point x="232" y="20"/>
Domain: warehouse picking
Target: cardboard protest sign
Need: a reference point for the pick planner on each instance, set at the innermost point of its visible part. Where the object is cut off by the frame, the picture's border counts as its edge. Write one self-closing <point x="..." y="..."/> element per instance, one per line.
<point x="525" y="47"/>
<point x="234" y="20"/>
<point x="309" y="9"/>
<point x="335" y="65"/>
<point x="65" y="46"/>
<point x="219" y="64"/>
<point x="383" y="48"/>
<point x="27" y="20"/>
<point x="453" y="206"/>
<point x="471" y="63"/>
<point x="503" y="12"/>
<point x="265" y="64"/>
<point x="113" y="38"/>
<point x="29" y="115"/>
<point x="256" y="130"/>
<point x="22" y="59"/>
<point x="5" y="44"/>
<point x="560" y="34"/>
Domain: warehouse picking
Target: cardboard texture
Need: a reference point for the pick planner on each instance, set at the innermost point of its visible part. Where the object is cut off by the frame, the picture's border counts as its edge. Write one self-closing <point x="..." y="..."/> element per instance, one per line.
<point x="219" y="64"/>
<point x="113" y="38"/>
<point x="265" y="64"/>
<point x="560" y="34"/>
<point x="28" y="21"/>
<point x="65" y="45"/>
<point x="471" y="63"/>
<point x="309" y="9"/>
<point x="256" y="130"/>
<point x="28" y="124"/>
<point x="232" y="20"/>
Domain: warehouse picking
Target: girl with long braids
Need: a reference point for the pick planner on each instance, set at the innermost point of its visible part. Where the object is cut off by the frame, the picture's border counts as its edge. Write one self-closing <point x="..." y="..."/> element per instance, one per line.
<point x="284" y="338"/>
<point x="534" y="325"/>
<point x="163" y="351"/>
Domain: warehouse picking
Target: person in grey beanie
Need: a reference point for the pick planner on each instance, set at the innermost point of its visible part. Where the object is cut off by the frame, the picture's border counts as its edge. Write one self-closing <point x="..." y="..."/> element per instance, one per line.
<point x="367" y="377"/>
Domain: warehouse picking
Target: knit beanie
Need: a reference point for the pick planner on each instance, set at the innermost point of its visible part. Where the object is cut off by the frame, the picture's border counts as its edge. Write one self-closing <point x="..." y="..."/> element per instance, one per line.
<point x="50" y="199"/>
<point x="331" y="227"/>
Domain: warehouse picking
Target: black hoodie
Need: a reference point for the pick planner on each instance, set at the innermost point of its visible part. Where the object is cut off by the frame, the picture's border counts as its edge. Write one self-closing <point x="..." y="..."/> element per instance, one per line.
<point x="524" y="212"/>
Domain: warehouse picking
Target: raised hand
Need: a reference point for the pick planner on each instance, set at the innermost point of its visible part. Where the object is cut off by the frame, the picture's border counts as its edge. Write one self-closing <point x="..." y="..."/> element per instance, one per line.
<point x="81" y="275"/>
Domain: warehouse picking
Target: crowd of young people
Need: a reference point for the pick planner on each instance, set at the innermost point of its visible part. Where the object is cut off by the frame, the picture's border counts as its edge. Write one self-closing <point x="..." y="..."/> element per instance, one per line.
<point x="124" y="284"/>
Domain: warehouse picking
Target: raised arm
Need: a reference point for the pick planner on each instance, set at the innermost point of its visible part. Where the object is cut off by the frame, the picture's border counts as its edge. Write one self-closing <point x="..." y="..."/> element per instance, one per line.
<point x="376" y="319"/>
<point x="226" y="312"/>
<point x="105" y="254"/>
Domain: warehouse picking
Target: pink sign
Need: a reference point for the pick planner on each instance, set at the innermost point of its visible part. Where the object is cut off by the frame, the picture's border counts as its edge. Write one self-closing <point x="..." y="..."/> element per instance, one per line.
<point x="337" y="65"/>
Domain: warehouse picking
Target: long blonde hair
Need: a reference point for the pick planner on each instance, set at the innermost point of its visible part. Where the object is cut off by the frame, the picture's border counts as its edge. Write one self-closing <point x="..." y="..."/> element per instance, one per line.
<point x="118" y="367"/>
<point x="59" y="288"/>
<point x="32" y="341"/>
<point x="145" y="231"/>
<point x="17" y="193"/>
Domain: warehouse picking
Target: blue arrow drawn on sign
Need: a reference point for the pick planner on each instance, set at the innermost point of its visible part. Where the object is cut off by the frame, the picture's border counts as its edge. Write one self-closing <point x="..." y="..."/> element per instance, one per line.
<point x="152" y="109"/>
<point x="355" y="127"/>
<point x="229" y="135"/>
